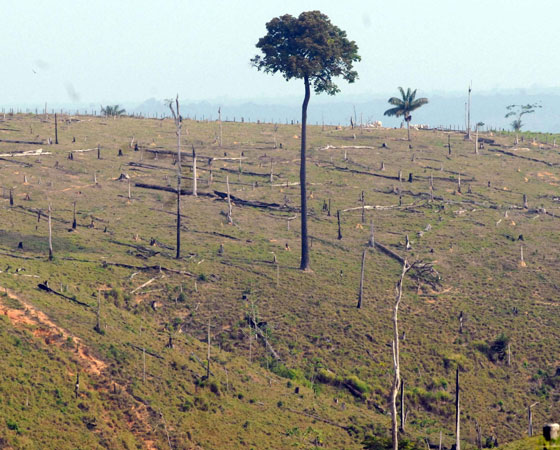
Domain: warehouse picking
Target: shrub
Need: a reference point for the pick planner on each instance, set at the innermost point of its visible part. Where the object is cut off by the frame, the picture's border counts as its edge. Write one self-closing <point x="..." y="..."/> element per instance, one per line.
<point x="325" y="376"/>
<point x="361" y="386"/>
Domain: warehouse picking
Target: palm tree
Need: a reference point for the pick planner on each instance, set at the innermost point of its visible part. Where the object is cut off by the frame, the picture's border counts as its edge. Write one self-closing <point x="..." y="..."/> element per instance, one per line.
<point x="113" y="110"/>
<point x="405" y="105"/>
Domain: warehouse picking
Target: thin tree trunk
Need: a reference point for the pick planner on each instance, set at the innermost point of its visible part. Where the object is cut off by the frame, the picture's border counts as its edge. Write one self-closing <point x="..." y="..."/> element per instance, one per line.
<point x="361" y="292"/>
<point x="229" y="214"/>
<point x="402" y="407"/>
<point x="302" y="172"/>
<point x="50" y="235"/>
<point x="208" y="349"/>
<point x="371" y="242"/>
<point x="220" y="122"/>
<point x="98" y="324"/>
<point x="74" y="223"/>
<point x="55" y="129"/>
<point x="408" y="129"/>
<point x="195" y="193"/>
<point x="457" y="413"/>
<point x="339" y="229"/>
<point x="177" y="117"/>
<point x="396" y="356"/>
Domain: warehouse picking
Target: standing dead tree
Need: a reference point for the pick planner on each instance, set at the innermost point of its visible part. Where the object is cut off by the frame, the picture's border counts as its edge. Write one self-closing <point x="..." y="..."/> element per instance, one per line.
<point x="457" y="412"/>
<point x="418" y="270"/>
<point x="361" y="292"/>
<point x="50" y="235"/>
<point x="396" y="362"/>
<point x="194" y="189"/>
<point x="178" y="119"/>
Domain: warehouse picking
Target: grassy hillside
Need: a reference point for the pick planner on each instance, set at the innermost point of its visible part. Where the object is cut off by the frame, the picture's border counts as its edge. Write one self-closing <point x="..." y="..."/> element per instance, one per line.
<point x="329" y="388"/>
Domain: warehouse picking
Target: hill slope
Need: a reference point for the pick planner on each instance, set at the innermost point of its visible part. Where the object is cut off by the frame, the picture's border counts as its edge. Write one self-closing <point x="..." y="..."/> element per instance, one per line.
<point x="136" y="392"/>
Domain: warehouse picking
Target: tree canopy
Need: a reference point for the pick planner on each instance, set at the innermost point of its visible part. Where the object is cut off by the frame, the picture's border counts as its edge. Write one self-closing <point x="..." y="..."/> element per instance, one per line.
<point x="307" y="47"/>
<point x="405" y="105"/>
<point x="112" y="110"/>
<point x="311" y="48"/>
<point x="518" y="111"/>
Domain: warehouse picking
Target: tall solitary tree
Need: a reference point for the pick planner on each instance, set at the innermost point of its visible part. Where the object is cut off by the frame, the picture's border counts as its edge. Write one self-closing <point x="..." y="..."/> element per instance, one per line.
<point x="405" y="105"/>
<point x="311" y="48"/>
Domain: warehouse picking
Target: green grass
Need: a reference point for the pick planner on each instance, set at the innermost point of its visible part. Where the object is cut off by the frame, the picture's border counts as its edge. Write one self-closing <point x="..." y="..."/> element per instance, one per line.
<point x="311" y="318"/>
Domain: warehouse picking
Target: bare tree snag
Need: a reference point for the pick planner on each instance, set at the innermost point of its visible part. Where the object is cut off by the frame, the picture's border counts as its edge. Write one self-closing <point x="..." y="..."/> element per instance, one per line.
<point x="530" y="414"/>
<point x="363" y="208"/>
<point x="361" y="291"/>
<point x="339" y="229"/>
<point x="50" y="235"/>
<point x="402" y="407"/>
<point x="271" y="172"/>
<point x="371" y="242"/>
<point x="98" y="152"/>
<point x="220" y="122"/>
<point x="525" y="202"/>
<point x="457" y="412"/>
<point x="97" y="327"/>
<point x="195" y="193"/>
<point x="129" y="194"/>
<point x="11" y="197"/>
<point x="522" y="262"/>
<point x="229" y="213"/>
<point x="77" y="386"/>
<point x="74" y="223"/>
<point x="144" y="365"/>
<point x="55" y="129"/>
<point x="396" y="357"/>
<point x="476" y="141"/>
<point x="478" y="430"/>
<point x="468" y="135"/>
<point x="178" y="119"/>
<point x="208" y="352"/>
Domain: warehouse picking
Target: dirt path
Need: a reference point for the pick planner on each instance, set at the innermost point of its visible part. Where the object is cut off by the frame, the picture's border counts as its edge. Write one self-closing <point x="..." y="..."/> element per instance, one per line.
<point x="47" y="330"/>
<point x="51" y="333"/>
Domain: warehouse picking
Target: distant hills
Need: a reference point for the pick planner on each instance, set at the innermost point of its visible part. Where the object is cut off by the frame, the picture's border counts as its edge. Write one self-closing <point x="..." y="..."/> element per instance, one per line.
<point x="445" y="109"/>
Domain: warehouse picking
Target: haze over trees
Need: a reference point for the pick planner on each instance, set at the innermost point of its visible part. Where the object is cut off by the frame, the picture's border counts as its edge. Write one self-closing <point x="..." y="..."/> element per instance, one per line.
<point x="311" y="48"/>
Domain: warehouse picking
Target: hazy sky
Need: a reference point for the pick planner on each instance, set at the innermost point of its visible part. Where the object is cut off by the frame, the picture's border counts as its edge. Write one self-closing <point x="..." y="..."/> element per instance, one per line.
<point x="129" y="50"/>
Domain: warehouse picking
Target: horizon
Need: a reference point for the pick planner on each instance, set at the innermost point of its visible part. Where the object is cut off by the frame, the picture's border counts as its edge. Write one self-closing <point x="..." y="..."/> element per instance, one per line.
<point x="127" y="52"/>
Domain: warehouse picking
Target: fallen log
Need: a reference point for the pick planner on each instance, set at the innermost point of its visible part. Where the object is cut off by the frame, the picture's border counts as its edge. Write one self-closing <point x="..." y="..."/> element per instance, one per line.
<point x="14" y="161"/>
<point x="269" y="347"/>
<point x="244" y="172"/>
<point x="361" y="172"/>
<point x="15" y="141"/>
<point x="254" y="204"/>
<point x="130" y="266"/>
<point x="389" y="252"/>
<point x="46" y="288"/>
<point x="528" y="158"/>
<point x="148" y="352"/>
<point x="157" y="187"/>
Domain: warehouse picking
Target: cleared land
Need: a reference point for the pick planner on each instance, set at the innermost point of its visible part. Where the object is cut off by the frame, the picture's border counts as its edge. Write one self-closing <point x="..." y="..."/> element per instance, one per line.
<point x="337" y="355"/>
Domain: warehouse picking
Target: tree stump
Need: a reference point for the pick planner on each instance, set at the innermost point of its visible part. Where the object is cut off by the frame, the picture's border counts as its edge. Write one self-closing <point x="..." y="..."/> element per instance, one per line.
<point x="551" y="431"/>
